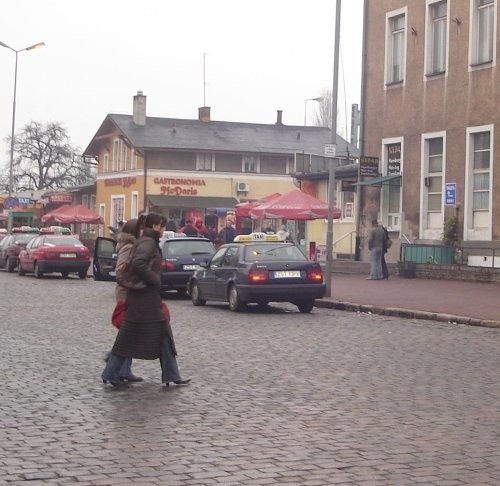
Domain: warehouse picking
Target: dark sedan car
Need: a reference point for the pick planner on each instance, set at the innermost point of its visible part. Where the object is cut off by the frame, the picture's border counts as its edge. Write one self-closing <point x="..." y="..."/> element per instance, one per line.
<point x="13" y="244"/>
<point x="181" y="256"/>
<point x="258" y="268"/>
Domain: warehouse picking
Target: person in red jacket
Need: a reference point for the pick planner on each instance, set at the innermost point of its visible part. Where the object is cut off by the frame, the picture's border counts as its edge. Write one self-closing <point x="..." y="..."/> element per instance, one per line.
<point x="201" y="228"/>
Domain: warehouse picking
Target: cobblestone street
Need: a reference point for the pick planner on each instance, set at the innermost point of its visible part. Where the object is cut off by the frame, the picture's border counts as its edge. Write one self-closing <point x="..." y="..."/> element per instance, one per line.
<point x="277" y="397"/>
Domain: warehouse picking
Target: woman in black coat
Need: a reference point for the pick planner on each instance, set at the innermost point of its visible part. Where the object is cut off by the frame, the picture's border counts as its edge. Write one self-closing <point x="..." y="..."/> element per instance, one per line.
<point x="145" y="332"/>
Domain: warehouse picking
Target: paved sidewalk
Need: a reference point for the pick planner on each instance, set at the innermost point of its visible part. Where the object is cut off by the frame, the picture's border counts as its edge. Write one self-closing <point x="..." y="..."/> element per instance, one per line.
<point x="471" y="303"/>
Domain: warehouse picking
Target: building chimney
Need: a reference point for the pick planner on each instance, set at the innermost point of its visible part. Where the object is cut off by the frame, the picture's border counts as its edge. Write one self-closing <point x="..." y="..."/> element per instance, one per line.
<point x="204" y="114"/>
<point x="279" y="119"/>
<point x="139" y="113"/>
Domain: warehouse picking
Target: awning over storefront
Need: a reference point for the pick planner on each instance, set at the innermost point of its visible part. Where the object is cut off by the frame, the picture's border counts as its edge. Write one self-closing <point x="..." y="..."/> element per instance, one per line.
<point x="378" y="181"/>
<point x="193" y="202"/>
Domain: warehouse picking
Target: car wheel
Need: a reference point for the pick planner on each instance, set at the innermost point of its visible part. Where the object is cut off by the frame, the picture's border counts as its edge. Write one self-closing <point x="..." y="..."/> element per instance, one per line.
<point x="306" y="307"/>
<point x="235" y="303"/>
<point x="82" y="274"/>
<point x="64" y="274"/>
<point x="11" y="265"/>
<point x="20" y="270"/>
<point x="181" y="292"/>
<point x="195" y="295"/>
<point x="37" y="272"/>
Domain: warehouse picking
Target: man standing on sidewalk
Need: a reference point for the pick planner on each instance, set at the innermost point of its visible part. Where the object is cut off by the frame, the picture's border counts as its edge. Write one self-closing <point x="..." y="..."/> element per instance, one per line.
<point x="376" y="240"/>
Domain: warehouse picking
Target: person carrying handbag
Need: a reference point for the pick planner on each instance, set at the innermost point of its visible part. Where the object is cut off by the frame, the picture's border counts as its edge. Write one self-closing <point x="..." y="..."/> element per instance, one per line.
<point x="126" y="240"/>
<point x="145" y="332"/>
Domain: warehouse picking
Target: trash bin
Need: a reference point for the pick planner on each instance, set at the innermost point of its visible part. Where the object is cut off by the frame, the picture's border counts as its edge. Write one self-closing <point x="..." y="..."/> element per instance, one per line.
<point x="407" y="269"/>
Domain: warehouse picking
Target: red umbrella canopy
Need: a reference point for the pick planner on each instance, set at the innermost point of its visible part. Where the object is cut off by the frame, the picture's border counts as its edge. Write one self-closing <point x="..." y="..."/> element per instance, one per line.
<point x="243" y="209"/>
<point x="295" y="205"/>
<point x="72" y="214"/>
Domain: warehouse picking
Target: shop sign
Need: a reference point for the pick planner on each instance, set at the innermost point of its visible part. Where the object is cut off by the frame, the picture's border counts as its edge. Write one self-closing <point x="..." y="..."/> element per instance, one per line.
<point x="368" y="166"/>
<point x="60" y="198"/>
<point x="348" y="186"/>
<point x="120" y="181"/>
<point x="394" y="159"/>
<point x="178" y="186"/>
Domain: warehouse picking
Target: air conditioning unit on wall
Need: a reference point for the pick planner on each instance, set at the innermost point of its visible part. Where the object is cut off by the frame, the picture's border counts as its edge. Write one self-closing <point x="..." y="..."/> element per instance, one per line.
<point x="242" y="186"/>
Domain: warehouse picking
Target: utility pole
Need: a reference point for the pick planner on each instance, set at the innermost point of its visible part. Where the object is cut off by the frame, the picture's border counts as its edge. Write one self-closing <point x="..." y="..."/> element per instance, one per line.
<point x="331" y="171"/>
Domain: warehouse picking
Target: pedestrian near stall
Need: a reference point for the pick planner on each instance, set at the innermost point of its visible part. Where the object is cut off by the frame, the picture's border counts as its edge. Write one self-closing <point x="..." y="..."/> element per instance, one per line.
<point x="387" y="244"/>
<point x="145" y="332"/>
<point x="375" y="245"/>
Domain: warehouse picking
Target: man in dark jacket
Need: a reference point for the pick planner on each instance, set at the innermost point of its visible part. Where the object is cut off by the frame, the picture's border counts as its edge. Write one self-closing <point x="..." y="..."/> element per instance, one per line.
<point x="227" y="234"/>
<point x="189" y="229"/>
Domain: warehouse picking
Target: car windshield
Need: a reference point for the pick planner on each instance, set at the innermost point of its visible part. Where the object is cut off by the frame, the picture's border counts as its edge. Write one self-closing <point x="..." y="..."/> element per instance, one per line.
<point x="173" y="248"/>
<point x="21" y="238"/>
<point x="62" y="241"/>
<point x="278" y="252"/>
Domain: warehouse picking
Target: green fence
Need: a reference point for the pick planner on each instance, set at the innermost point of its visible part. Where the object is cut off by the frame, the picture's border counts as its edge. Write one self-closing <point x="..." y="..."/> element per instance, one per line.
<point x="428" y="254"/>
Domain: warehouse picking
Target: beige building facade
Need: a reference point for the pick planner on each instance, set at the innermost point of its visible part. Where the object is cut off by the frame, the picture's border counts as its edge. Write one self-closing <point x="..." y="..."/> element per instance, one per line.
<point x="429" y="94"/>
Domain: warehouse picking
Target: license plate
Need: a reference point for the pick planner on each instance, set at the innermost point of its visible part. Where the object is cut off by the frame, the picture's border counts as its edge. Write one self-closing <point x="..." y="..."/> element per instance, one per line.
<point x="287" y="274"/>
<point x="190" y="267"/>
<point x="67" y="255"/>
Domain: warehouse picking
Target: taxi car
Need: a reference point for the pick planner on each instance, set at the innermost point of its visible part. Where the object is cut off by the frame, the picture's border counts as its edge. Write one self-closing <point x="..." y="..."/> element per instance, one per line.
<point x="12" y="245"/>
<point x="181" y="256"/>
<point x="54" y="250"/>
<point x="258" y="268"/>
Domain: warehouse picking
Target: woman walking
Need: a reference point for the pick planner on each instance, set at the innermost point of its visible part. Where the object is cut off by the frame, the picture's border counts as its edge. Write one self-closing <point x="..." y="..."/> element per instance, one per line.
<point x="126" y="239"/>
<point x="145" y="332"/>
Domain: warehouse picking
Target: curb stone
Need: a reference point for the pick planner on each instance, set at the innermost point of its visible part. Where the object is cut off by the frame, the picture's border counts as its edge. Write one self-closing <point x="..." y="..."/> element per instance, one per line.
<point x="406" y="313"/>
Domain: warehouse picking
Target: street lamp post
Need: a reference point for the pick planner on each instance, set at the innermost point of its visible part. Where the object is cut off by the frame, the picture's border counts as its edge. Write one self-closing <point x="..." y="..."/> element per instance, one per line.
<point x="11" y="165"/>
<point x="319" y="99"/>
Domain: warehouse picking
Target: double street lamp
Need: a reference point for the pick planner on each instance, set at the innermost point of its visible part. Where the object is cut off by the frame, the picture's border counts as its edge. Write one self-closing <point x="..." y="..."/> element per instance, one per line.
<point x="319" y="99"/>
<point x="11" y="166"/>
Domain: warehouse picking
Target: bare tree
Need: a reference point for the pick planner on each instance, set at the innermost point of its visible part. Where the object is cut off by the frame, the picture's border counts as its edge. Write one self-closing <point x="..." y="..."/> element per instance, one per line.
<point x="45" y="158"/>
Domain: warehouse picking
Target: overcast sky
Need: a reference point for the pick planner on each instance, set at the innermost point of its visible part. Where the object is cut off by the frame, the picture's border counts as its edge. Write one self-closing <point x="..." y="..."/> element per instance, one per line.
<point x="261" y="56"/>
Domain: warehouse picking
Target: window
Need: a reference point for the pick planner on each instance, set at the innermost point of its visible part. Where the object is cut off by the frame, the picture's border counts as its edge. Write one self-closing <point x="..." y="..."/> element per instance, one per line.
<point x="431" y="214"/>
<point x="481" y="171"/>
<point x="250" y="163"/>
<point x="133" y="159"/>
<point x="123" y="157"/>
<point x="102" y="214"/>
<point x="437" y="35"/>
<point x="116" y="154"/>
<point x="134" y="209"/>
<point x="117" y="209"/>
<point x="482" y="31"/>
<point x="204" y="161"/>
<point x="105" y="163"/>
<point x="391" y="192"/>
<point x="395" y="48"/>
<point x="478" y="184"/>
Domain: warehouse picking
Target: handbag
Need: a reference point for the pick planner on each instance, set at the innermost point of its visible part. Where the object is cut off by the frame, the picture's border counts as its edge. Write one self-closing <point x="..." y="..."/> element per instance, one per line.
<point x="388" y="243"/>
<point x="127" y="278"/>
<point x="118" y="314"/>
<point x="121" y="307"/>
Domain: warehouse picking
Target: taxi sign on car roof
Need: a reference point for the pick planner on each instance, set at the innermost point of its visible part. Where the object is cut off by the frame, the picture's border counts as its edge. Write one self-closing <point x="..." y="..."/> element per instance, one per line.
<point x="55" y="230"/>
<point x="168" y="235"/>
<point x="25" y="229"/>
<point x="256" y="237"/>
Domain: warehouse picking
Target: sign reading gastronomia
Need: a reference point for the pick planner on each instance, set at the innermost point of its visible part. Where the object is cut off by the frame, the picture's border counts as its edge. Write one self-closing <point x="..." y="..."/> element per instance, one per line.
<point x="179" y="186"/>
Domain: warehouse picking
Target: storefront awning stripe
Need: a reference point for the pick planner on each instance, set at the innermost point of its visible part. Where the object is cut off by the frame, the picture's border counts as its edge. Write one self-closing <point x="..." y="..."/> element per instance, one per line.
<point x="201" y="202"/>
<point x="377" y="181"/>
